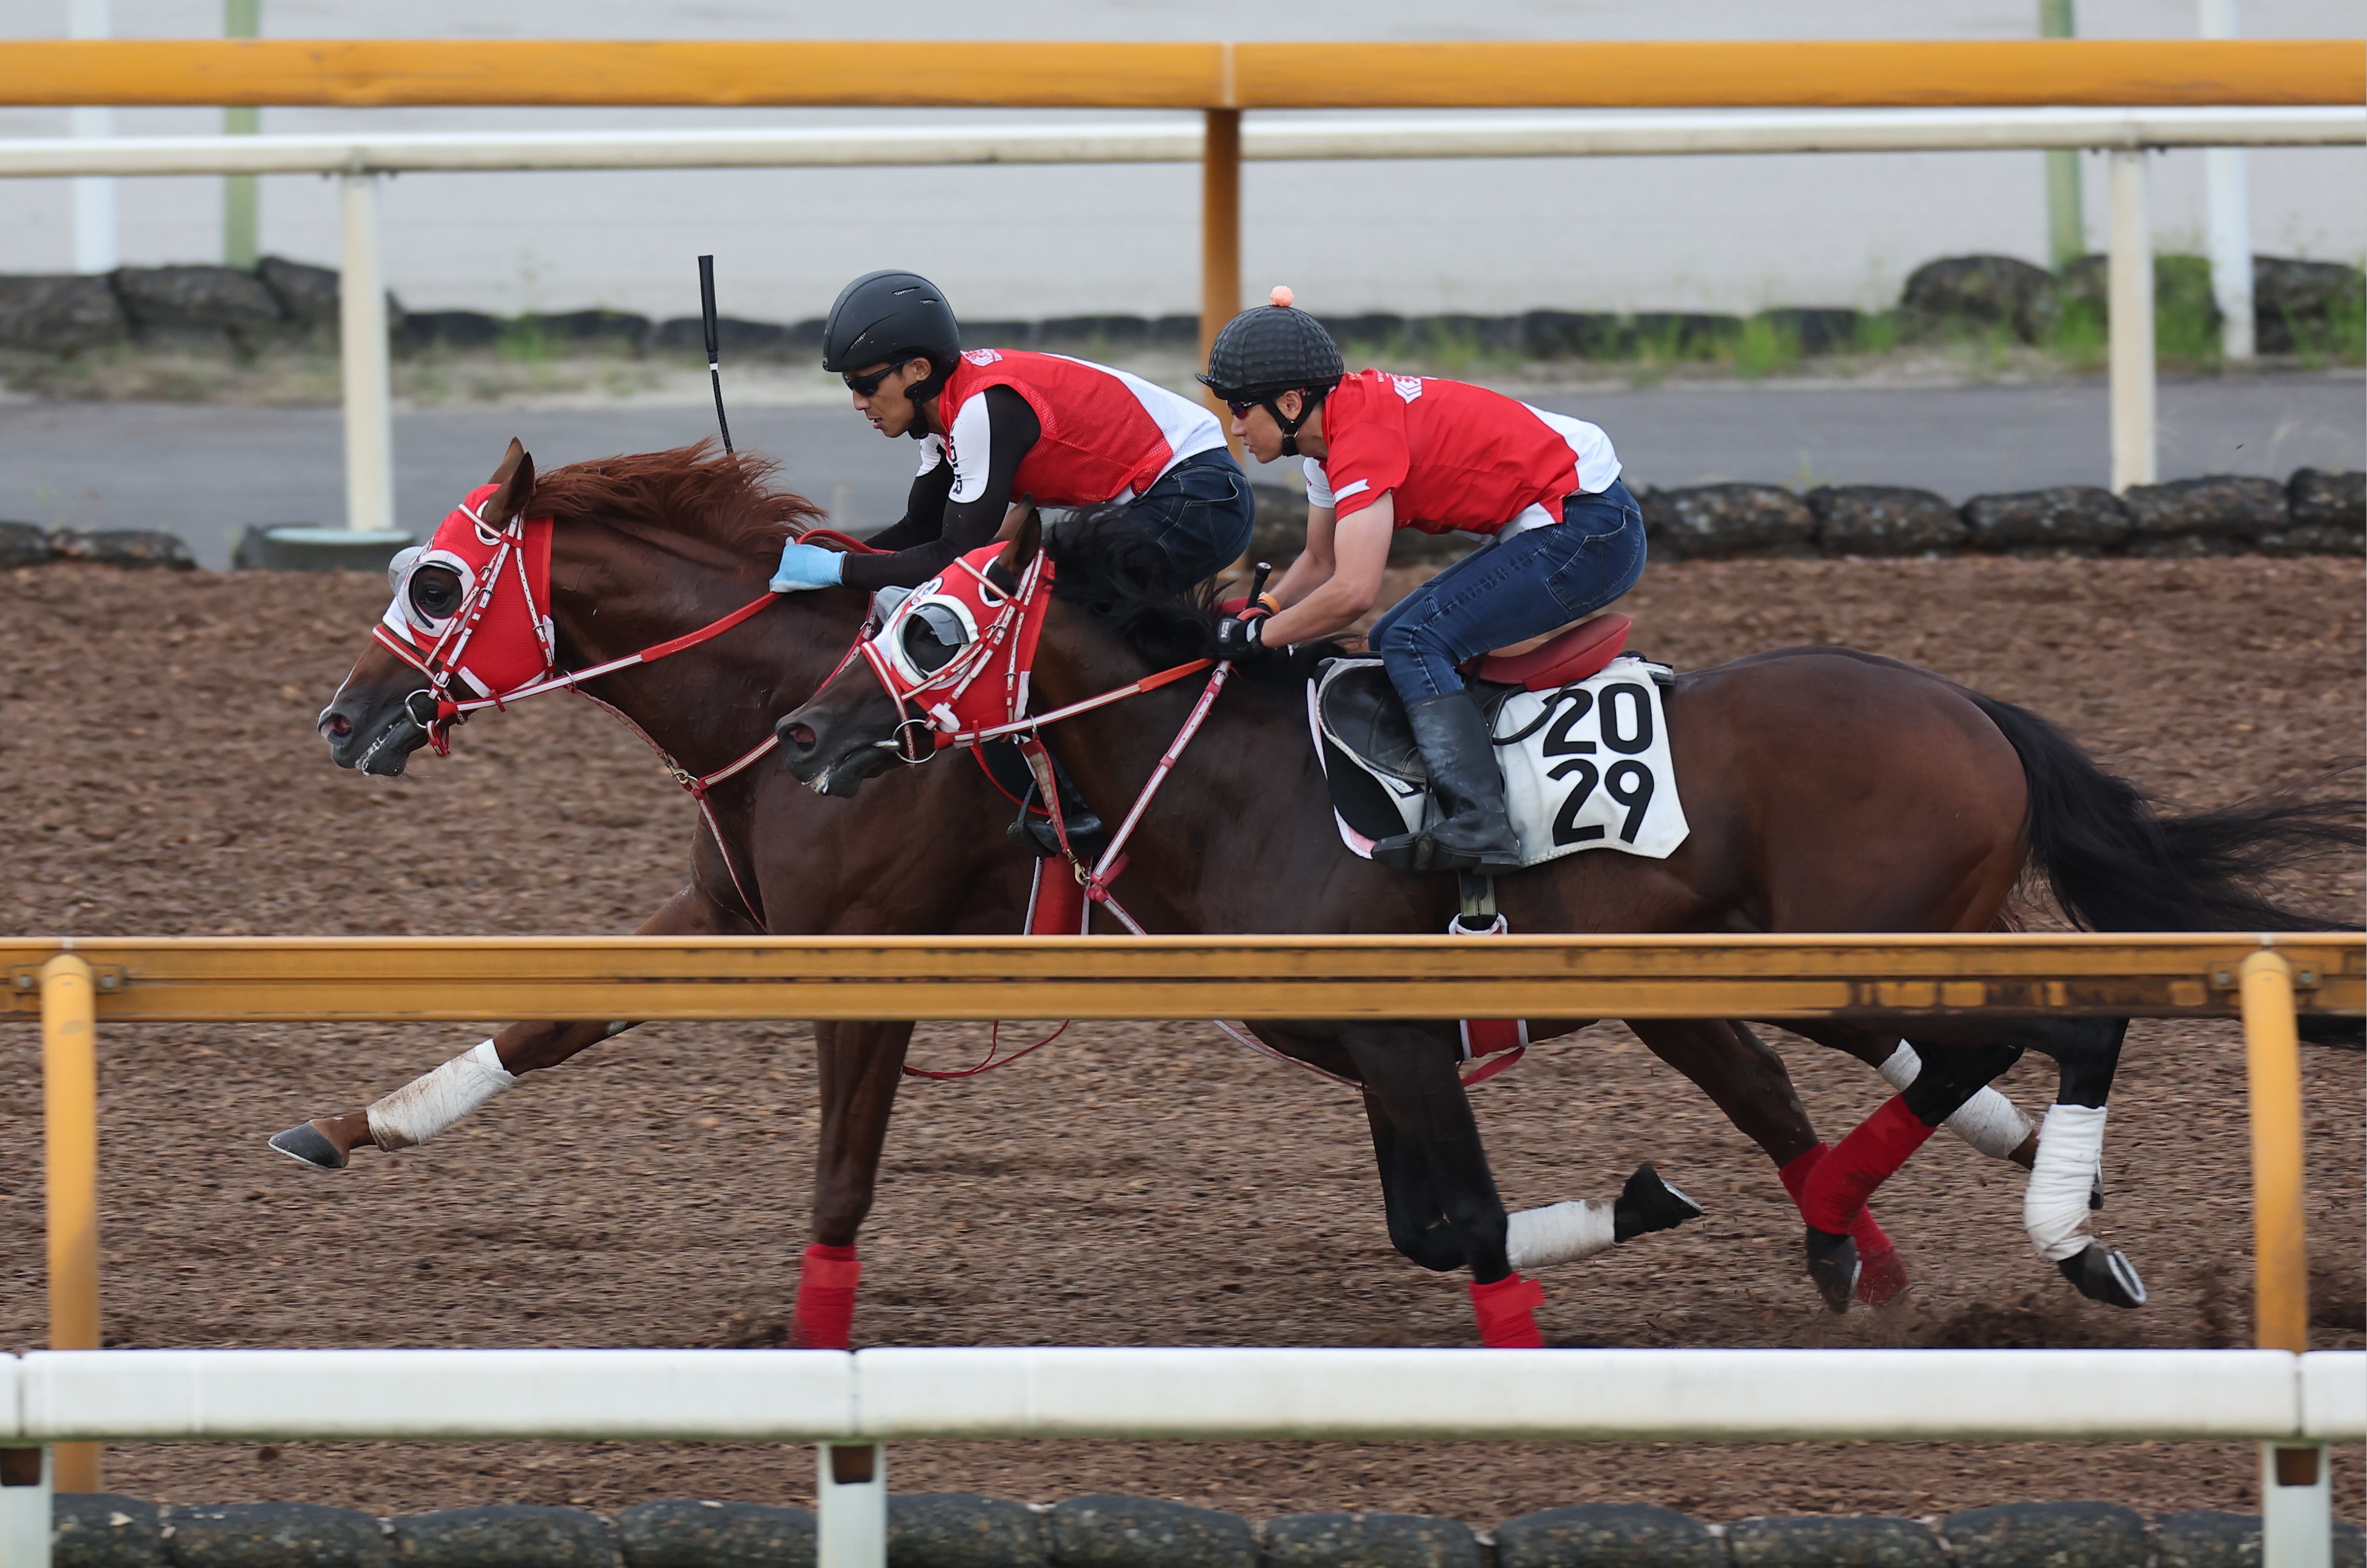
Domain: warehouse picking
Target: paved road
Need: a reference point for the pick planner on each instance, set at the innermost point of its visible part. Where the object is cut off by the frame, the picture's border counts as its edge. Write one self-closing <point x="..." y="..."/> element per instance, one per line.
<point x="206" y="472"/>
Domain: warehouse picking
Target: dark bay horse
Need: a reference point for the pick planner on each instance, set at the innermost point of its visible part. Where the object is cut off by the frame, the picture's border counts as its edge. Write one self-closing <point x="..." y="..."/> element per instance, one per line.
<point x="645" y="550"/>
<point x="1826" y="791"/>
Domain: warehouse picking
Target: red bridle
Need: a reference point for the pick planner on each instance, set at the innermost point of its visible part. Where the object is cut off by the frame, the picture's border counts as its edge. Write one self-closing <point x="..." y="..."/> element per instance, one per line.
<point x="979" y="694"/>
<point x="504" y="647"/>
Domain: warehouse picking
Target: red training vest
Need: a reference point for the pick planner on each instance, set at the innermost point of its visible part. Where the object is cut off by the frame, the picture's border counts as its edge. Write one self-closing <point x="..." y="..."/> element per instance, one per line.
<point x="1107" y="435"/>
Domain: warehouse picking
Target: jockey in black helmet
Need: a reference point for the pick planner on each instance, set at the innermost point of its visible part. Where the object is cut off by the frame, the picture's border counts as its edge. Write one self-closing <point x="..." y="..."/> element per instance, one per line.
<point x="1383" y="452"/>
<point x="1000" y="423"/>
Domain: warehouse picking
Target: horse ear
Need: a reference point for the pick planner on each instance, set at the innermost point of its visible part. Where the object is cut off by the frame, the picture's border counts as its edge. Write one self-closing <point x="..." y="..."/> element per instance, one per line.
<point x="1022" y="528"/>
<point x="513" y="482"/>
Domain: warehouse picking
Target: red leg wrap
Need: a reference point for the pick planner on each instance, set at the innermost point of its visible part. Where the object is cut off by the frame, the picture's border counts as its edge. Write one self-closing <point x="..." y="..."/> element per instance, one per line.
<point x="1504" y="1309"/>
<point x="1881" y="1274"/>
<point x="1836" y="1189"/>
<point x="825" y="1313"/>
<point x="1795" y="1175"/>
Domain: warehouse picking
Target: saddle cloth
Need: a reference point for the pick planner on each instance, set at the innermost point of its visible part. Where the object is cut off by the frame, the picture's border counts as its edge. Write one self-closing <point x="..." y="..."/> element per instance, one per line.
<point x="1586" y="766"/>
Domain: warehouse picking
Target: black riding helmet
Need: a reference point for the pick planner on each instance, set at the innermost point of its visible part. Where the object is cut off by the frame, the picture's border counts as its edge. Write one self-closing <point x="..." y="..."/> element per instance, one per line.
<point x="892" y="316"/>
<point x="1274" y="349"/>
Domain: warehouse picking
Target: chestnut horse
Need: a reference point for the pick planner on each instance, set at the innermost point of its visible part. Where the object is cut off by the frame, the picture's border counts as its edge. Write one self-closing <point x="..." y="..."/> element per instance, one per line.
<point x="646" y="549"/>
<point x="1826" y="790"/>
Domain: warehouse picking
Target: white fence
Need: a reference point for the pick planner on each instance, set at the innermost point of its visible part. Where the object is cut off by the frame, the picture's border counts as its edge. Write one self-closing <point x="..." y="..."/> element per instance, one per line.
<point x="852" y="1404"/>
<point x="2128" y="133"/>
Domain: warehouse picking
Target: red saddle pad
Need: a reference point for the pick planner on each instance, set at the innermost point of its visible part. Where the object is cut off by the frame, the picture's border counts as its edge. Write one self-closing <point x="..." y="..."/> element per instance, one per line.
<point x="1573" y="656"/>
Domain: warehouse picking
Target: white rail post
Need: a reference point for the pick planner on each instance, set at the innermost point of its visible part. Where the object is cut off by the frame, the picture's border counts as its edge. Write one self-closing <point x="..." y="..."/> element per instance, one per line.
<point x="362" y="356"/>
<point x="94" y="195"/>
<point x="2228" y="187"/>
<point x="25" y="1486"/>
<point x="2296" y="1507"/>
<point x="850" y="1492"/>
<point x="2130" y="303"/>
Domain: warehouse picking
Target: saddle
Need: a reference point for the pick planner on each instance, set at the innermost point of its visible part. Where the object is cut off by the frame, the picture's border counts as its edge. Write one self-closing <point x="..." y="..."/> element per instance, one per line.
<point x="1361" y="710"/>
<point x="1579" y="736"/>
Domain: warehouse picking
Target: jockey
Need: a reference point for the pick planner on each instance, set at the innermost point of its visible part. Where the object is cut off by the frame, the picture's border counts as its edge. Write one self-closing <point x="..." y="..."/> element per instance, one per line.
<point x="1383" y="452"/>
<point x="997" y="424"/>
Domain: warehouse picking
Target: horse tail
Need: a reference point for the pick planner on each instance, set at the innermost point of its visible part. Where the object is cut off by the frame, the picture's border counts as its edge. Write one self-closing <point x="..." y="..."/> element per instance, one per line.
<point x="2116" y="862"/>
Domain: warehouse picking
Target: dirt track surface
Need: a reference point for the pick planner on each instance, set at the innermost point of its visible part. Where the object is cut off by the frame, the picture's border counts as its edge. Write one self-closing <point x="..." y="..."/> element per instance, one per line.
<point x="1135" y="1184"/>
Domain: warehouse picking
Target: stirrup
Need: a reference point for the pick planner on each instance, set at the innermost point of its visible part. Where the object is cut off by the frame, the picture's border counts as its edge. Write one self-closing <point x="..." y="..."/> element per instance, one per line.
<point x="1479" y="916"/>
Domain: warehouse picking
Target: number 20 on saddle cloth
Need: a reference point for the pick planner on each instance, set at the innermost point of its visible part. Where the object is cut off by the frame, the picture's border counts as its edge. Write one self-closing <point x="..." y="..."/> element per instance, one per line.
<point x="1586" y="764"/>
<point x="1582" y="740"/>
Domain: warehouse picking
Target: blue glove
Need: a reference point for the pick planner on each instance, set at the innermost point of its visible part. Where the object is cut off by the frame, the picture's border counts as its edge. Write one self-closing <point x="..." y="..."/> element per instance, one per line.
<point x="807" y="566"/>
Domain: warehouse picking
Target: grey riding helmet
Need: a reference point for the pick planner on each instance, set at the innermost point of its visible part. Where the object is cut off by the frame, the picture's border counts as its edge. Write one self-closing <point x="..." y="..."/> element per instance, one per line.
<point x="1274" y="349"/>
<point x="891" y="316"/>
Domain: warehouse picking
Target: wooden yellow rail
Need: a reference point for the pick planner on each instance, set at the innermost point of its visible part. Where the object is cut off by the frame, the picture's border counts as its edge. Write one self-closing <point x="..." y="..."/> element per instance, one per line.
<point x="231" y="978"/>
<point x="74" y="986"/>
<point x="370" y="73"/>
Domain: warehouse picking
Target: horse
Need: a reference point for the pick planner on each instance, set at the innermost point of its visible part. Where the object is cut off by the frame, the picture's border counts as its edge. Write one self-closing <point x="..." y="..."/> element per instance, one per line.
<point x="644" y="552"/>
<point x="1826" y="789"/>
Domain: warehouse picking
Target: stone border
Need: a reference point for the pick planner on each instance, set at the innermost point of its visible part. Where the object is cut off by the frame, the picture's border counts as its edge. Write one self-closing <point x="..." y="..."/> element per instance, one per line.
<point x="2313" y="513"/>
<point x="956" y="1530"/>
<point x="243" y="310"/>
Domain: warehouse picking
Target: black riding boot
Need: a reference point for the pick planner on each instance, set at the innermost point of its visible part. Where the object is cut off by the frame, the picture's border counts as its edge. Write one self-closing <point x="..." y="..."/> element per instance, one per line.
<point x="1475" y="833"/>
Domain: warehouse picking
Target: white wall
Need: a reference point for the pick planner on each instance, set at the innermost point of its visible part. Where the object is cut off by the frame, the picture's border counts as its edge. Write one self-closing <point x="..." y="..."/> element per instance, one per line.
<point x="1715" y="233"/>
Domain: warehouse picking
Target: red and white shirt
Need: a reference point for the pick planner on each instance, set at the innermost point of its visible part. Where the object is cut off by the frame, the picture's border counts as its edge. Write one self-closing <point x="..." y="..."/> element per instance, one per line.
<point x="1459" y="459"/>
<point x="1106" y="435"/>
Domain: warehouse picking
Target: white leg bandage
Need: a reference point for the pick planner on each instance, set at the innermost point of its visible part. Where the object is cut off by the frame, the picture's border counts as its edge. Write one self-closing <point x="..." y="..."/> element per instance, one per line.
<point x="1988" y="1121"/>
<point x="1559" y="1233"/>
<point x="2055" y="1206"/>
<point x="432" y="1101"/>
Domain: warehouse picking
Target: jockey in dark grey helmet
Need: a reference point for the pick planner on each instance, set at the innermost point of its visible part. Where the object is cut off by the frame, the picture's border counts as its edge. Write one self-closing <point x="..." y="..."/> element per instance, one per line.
<point x="996" y="424"/>
<point x="1385" y="452"/>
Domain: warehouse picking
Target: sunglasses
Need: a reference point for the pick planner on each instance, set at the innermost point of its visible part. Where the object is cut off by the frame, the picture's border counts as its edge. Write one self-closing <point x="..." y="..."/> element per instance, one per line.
<point x="864" y="386"/>
<point x="1242" y="406"/>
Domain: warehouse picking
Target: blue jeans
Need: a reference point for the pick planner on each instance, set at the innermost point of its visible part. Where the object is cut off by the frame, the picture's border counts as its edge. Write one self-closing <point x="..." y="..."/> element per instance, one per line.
<point x="1200" y="510"/>
<point x="1510" y="589"/>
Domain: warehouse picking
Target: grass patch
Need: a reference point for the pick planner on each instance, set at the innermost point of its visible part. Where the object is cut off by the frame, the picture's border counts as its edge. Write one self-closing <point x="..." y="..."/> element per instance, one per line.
<point x="2081" y="339"/>
<point x="2339" y="339"/>
<point x="1768" y="344"/>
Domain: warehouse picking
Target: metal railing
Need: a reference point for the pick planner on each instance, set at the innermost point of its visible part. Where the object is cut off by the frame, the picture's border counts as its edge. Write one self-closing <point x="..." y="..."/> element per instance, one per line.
<point x="852" y="1406"/>
<point x="66" y="1403"/>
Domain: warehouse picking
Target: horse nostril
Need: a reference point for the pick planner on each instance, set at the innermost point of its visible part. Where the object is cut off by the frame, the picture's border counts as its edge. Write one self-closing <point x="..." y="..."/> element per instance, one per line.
<point x="336" y="725"/>
<point x="801" y="736"/>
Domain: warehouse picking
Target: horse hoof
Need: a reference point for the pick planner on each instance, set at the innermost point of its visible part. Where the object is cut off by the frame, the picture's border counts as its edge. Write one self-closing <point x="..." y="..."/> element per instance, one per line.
<point x="2105" y="1274"/>
<point x="1833" y="1265"/>
<point x="1881" y="1278"/>
<point x="1648" y="1203"/>
<point x="307" y="1143"/>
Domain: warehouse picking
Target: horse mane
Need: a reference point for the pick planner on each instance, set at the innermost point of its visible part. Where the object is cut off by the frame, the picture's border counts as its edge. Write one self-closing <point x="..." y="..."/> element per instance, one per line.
<point x="698" y="490"/>
<point x="1115" y="571"/>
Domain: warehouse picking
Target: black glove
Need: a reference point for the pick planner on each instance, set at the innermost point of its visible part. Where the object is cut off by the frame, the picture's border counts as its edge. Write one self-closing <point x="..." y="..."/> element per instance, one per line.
<point x="1239" y="638"/>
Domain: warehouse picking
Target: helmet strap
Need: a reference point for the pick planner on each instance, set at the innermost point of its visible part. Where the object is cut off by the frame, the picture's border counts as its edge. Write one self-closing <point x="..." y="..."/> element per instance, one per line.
<point x="923" y="392"/>
<point x="931" y="385"/>
<point x="1309" y="403"/>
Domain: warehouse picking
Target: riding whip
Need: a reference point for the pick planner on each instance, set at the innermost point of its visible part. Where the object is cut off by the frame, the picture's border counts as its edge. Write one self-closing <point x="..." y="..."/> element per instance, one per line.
<point x="714" y="351"/>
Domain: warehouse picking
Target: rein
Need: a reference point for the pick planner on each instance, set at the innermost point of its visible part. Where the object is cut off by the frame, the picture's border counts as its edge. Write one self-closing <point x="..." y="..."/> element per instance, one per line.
<point x="435" y="707"/>
<point x="1006" y="625"/>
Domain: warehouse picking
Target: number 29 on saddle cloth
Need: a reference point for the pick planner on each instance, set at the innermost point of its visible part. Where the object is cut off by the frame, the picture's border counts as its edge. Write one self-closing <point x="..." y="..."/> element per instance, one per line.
<point x="1586" y="766"/>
